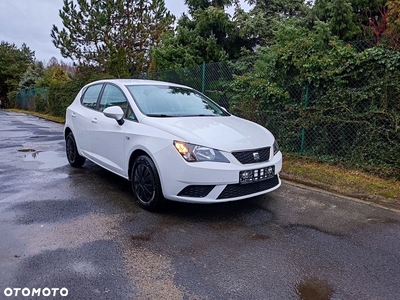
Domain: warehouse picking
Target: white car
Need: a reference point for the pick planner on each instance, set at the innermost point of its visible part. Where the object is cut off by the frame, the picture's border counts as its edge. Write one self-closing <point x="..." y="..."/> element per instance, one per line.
<point x="171" y="142"/>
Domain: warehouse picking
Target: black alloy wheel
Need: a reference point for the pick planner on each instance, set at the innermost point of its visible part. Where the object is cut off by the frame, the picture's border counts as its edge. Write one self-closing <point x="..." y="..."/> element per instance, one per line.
<point x="71" y="150"/>
<point x="146" y="183"/>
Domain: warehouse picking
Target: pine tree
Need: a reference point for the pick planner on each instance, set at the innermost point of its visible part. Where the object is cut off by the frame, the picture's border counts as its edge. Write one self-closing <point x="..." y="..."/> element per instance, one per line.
<point x="114" y="35"/>
<point x="13" y="64"/>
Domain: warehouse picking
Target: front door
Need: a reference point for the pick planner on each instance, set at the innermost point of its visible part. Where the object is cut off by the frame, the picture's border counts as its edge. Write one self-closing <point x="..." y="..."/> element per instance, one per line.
<point x="108" y="138"/>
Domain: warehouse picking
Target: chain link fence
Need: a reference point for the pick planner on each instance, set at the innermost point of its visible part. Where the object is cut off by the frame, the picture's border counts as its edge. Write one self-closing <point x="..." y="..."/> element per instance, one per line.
<point x="32" y="99"/>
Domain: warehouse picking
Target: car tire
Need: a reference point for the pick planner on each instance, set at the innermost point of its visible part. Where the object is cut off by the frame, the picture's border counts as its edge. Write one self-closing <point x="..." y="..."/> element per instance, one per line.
<point x="146" y="184"/>
<point x="71" y="150"/>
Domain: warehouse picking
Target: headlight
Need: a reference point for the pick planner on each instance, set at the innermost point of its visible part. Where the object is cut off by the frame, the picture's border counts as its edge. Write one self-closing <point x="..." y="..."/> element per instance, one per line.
<point x="192" y="153"/>
<point x="276" y="147"/>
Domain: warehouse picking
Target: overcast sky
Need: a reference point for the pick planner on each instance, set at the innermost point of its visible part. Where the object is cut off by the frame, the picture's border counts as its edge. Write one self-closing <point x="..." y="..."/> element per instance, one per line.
<point x="30" y="22"/>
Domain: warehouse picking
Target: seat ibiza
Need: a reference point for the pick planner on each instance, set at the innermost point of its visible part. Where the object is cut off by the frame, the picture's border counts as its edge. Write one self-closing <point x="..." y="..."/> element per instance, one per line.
<point x="171" y="141"/>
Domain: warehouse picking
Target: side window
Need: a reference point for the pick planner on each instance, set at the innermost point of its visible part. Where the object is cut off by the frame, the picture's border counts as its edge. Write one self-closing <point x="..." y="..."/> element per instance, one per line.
<point x="113" y="96"/>
<point x="89" y="98"/>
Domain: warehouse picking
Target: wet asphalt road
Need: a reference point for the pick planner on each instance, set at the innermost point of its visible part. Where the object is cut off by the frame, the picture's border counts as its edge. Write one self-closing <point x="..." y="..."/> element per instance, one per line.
<point x="80" y="229"/>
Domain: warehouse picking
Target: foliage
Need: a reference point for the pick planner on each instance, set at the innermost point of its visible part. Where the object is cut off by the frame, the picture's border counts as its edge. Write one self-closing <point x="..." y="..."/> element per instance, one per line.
<point x="285" y="9"/>
<point x="55" y="71"/>
<point x="385" y="29"/>
<point x="261" y="21"/>
<point x="394" y="15"/>
<point x="347" y="19"/>
<point x="114" y="36"/>
<point x="194" y="5"/>
<point x="323" y="98"/>
<point x="186" y="48"/>
<point x="13" y="64"/>
<point x="32" y="74"/>
<point x="210" y="35"/>
<point x="41" y="103"/>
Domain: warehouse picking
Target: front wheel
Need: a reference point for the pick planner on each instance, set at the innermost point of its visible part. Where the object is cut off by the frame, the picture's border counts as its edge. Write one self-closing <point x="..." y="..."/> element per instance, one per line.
<point x="146" y="184"/>
<point x="73" y="156"/>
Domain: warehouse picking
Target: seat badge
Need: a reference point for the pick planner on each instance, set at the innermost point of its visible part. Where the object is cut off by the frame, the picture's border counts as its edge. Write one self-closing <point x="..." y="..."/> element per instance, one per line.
<point x="256" y="156"/>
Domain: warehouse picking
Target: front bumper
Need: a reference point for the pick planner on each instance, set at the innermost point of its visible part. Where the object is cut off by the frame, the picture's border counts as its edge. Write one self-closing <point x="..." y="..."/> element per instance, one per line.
<point x="211" y="182"/>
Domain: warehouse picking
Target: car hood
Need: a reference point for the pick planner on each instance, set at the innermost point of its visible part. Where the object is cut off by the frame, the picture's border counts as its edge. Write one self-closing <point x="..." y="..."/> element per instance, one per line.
<point x="228" y="133"/>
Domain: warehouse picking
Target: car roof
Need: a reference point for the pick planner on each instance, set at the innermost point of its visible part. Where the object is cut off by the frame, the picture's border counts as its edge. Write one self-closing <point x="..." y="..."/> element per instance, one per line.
<point x="137" y="82"/>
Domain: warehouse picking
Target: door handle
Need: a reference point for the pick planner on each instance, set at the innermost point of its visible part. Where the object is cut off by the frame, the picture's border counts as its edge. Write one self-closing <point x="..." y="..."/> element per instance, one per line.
<point x="94" y="120"/>
<point x="73" y="115"/>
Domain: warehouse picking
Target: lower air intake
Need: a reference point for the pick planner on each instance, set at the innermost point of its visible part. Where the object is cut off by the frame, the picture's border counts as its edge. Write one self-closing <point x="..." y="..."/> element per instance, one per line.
<point x="238" y="190"/>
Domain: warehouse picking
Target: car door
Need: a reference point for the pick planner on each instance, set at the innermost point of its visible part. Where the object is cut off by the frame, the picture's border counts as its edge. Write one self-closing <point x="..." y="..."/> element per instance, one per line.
<point x="82" y="115"/>
<point x="108" y="138"/>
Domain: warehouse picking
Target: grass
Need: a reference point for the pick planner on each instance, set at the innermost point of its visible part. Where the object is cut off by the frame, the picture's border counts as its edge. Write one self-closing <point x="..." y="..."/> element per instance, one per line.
<point x="39" y="115"/>
<point x="342" y="180"/>
<point x="335" y="178"/>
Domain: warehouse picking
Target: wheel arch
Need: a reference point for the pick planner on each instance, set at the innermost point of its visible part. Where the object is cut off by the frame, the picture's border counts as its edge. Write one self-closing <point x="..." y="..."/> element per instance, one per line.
<point x="135" y="154"/>
<point x="67" y="130"/>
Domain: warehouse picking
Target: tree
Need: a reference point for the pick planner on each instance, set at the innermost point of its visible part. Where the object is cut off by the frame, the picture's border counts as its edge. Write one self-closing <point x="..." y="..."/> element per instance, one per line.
<point x="341" y="20"/>
<point x="385" y="29"/>
<point x="208" y="35"/>
<point x="114" y="35"/>
<point x="260" y="22"/>
<point x="13" y="64"/>
<point x="31" y="76"/>
<point x="194" y="5"/>
<point x="348" y="19"/>
<point x="52" y="67"/>
<point x="283" y="8"/>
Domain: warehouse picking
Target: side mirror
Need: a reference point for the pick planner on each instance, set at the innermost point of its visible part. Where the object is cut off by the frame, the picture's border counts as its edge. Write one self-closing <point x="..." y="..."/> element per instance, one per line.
<point x="116" y="113"/>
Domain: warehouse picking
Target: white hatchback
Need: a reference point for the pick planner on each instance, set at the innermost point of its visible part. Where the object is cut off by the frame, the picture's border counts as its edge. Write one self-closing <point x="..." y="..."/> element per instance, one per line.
<point x="171" y="142"/>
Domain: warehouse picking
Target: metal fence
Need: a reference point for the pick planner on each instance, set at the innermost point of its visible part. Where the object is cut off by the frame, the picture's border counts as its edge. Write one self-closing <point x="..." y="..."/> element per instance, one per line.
<point x="32" y="99"/>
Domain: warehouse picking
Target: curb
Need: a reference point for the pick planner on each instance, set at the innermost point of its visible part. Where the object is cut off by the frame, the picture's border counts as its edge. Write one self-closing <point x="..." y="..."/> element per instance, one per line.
<point x="324" y="189"/>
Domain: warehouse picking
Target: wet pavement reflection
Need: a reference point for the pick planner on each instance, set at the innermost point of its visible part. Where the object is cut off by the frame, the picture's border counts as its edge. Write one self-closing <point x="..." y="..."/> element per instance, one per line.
<point x="47" y="159"/>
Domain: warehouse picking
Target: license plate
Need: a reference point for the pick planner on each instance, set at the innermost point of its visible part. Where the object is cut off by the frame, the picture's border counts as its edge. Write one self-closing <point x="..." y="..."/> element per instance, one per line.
<point x="252" y="176"/>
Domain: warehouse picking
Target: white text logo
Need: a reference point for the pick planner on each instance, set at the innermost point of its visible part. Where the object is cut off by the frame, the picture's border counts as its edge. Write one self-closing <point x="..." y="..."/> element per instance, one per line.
<point x="27" y="292"/>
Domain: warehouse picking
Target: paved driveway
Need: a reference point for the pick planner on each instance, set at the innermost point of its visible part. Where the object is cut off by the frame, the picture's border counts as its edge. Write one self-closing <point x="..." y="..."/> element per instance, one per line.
<point x="78" y="231"/>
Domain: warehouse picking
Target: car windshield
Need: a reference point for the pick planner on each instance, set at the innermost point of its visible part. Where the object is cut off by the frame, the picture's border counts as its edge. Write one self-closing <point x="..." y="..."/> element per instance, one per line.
<point x="173" y="101"/>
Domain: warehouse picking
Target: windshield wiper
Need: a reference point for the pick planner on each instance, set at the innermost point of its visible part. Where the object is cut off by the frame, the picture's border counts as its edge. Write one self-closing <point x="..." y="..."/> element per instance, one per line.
<point x="160" y="115"/>
<point x="199" y="115"/>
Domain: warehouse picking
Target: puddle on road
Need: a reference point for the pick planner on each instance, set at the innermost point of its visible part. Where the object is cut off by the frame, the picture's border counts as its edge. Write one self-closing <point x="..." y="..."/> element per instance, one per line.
<point x="314" y="289"/>
<point x="48" y="159"/>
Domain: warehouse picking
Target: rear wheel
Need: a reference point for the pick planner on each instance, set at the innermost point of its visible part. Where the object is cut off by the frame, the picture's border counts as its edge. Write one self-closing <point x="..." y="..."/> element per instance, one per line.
<point x="73" y="156"/>
<point x="146" y="184"/>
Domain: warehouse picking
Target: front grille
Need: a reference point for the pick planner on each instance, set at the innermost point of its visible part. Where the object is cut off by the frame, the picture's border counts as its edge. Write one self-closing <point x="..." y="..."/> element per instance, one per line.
<point x="197" y="191"/>
<point x="250" y="156"/>
<point x="238" y="190"/>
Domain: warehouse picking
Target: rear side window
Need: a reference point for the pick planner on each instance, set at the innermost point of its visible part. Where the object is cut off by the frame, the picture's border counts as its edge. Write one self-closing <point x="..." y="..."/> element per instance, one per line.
<point x="91" y="95"/>
<point x="113" y="96"/>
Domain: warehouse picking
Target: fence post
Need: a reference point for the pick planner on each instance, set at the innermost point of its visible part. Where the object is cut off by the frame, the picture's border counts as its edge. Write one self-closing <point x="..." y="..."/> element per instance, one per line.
<point x="303" y="131"/>
<point x="203" y="78"/>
